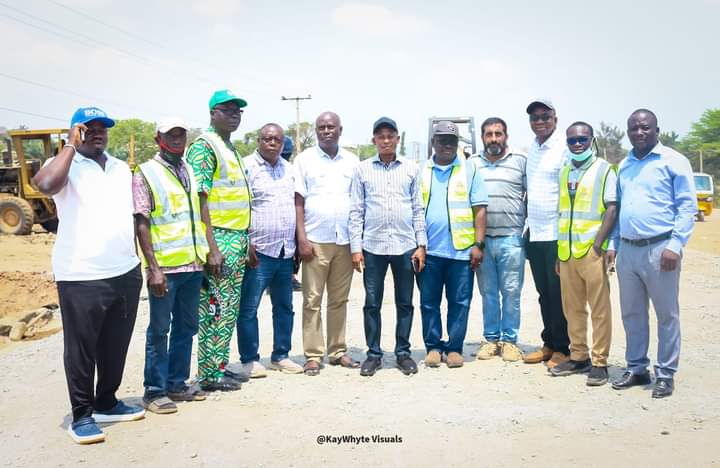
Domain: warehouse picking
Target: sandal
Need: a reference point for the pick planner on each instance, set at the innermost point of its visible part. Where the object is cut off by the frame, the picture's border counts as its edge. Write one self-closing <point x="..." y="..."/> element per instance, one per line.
<point x="161" y="405"/>
<point x="345" y="361"/>
<point x="311" y="368"/>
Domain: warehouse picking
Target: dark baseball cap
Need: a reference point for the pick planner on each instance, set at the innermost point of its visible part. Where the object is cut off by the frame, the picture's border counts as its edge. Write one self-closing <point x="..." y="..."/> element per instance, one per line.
<point x="540" y="102"/>
<point x="445" y="127"/>
<point x="384" y="122"/>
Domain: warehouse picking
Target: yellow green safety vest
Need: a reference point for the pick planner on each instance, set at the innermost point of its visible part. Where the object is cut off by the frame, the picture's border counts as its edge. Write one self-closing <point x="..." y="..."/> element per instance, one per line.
<point x="460" y="214"/>
<point x="229" y="198"/>
<point x="580" y="219"/>
<point x="176" y="230"/>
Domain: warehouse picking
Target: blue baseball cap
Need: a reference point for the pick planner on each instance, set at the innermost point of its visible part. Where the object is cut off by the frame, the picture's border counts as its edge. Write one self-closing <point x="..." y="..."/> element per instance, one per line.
<point x="84" y="115"/>
<point x="287" y="148"/>
<point x="384" y="122"/>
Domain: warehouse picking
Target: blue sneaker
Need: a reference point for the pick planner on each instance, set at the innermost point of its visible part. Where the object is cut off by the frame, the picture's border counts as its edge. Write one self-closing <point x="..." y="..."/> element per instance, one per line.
<point x="85" y="431"/>
<point x="118" y="413"/>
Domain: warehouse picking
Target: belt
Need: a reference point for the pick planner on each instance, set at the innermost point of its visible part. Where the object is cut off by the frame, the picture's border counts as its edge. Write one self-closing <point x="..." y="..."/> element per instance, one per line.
<point x="648" y="241"/>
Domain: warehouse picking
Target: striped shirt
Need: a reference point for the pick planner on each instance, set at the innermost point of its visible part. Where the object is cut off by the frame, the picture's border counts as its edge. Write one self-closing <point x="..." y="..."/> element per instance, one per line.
<point x="543" y="186"/>
<point x="272" y="217"/>
<point x="506" y="185"/>
<point x="386" y="212"/>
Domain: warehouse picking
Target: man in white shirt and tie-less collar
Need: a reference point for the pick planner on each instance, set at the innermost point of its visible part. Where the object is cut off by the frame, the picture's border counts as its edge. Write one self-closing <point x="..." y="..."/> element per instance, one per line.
<point x="322" y="202"/>
<point x="545" y="159"/>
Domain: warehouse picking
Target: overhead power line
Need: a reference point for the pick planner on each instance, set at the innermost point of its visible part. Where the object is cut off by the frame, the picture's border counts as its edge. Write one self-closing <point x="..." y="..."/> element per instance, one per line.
<point x="297" y="100"/>
<point x="16" y="111"/>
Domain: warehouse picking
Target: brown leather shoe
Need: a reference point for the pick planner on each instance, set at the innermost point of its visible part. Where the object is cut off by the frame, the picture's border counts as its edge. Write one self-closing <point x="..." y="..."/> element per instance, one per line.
<point x="556" y="359"/>
<point x="455" y="360"/>
<point x="541" y="355"/>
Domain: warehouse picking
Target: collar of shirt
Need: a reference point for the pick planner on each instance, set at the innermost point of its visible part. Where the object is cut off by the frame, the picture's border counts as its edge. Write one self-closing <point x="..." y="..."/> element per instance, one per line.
<point x="455" y="162"/>
<point x="261" y="161"/>
<point x="323" y="154"/>
<point x="657" y="151"/>
<point x="398" y="159"/>
<point x="508" y="153"/>
<point x="80" y="158"/>
<point x="158" y="157"/>
<point x="555" y="138"/>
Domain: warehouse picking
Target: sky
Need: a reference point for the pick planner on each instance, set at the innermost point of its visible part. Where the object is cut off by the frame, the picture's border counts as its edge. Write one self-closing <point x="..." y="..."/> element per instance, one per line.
<point x="409" y="60"/>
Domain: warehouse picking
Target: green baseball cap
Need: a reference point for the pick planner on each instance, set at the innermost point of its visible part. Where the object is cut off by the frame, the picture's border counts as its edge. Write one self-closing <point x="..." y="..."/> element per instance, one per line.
<point x="225" y="95"/>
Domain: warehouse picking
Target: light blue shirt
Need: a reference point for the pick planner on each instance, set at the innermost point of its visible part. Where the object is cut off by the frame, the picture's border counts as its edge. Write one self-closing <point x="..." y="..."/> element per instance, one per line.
<point x="656" y="195"/>
<point x="437" y="223"/>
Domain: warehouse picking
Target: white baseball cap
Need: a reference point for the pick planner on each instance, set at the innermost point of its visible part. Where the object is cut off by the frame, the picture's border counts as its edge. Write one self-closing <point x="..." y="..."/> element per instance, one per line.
<point x="168" y="123"/>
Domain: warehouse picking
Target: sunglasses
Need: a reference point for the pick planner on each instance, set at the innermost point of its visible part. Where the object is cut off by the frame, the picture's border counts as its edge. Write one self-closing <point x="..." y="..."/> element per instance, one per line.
<point x="447" y="140"/>
<point x="543" y="117"/>
<point x="577" y="140"/>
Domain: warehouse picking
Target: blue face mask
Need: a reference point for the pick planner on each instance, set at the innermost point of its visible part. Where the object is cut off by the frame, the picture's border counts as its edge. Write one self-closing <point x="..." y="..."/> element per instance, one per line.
<point x="582" y="156"/>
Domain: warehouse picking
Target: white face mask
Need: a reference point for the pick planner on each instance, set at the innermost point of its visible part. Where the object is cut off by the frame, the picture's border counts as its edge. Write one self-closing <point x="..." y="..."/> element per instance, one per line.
<point x="582" y="156"/>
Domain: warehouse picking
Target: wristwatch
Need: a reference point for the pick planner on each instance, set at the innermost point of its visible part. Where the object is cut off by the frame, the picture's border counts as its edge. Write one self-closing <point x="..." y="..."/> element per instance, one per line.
<point x="480" y="245"/>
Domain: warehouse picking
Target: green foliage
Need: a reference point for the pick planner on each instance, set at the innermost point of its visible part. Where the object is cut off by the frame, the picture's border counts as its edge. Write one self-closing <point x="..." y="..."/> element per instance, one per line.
<point x="119" y="139"/>
<point x="704" y="138"/>
<point x="671" y="139"/>
<point x="609" y="140"/>
<point x="247" y="144"/>
<point x="363" y="151"/>
<point x="307" y="136"/>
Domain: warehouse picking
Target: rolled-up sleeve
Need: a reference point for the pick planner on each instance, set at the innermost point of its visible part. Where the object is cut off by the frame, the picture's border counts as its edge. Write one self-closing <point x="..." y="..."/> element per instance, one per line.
<point x="357" y="211"/>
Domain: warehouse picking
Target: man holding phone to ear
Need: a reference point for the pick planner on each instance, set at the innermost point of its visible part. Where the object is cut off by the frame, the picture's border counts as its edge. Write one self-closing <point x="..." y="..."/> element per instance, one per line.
<point x="96" y="269"/>
<point x="387" y="229"/>
<point x="455" y="202"/>
<point x="587" y="210"/>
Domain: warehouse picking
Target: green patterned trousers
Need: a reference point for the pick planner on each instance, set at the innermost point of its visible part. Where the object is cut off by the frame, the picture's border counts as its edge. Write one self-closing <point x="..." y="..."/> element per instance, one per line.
<point x="216" y="323"/>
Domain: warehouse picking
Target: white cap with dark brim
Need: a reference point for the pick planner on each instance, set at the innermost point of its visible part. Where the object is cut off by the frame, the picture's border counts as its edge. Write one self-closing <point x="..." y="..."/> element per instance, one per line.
<point x="168" y="123"/>
<point x="540" y="102"/>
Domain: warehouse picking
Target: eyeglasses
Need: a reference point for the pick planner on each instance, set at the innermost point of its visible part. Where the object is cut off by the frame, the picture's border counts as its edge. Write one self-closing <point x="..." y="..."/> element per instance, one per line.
<point x="271" y="139"/>
<point x="447" y="140"/>
<point x="577" y="140"/>
<point x="227" y="111"/>
<point x="543" y="117"/>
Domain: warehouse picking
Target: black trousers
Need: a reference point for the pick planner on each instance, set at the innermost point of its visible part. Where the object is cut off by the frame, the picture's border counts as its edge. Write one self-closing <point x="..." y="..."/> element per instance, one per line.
<point x="98" y="318"/>
<point x="542" y="256"/>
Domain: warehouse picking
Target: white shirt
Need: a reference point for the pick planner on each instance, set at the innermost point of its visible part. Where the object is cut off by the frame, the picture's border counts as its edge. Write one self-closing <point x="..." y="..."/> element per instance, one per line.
<point x="544" y="163"/>
<point x="95" y="236"/>
<point x="324" y="183"/>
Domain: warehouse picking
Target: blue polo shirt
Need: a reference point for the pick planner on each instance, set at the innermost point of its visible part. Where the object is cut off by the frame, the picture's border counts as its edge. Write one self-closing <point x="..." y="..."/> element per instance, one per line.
<point x="437" y="223"/>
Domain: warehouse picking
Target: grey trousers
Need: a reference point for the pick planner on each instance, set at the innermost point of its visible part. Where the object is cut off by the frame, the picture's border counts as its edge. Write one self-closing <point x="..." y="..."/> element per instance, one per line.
<point x="641" y="280"/>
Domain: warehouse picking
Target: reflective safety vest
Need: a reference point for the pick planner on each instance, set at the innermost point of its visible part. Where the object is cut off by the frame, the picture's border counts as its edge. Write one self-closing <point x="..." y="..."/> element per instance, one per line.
<point x="580" y="218"/>
<point x="176" y="230"/>
<point x="229" y="198"/>
<point x="460" y="214"/>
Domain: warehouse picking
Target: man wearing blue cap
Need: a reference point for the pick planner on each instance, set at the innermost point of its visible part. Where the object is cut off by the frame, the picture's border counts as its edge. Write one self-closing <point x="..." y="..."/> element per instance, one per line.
<point x="96" y="269"/>
<point x="286" y="154"/>
<point x="225" y="210"/>
<point x="387" y="229"/>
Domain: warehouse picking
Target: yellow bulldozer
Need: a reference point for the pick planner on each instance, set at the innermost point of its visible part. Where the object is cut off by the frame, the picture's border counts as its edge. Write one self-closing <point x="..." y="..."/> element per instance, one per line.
<point x="21" y="204"/>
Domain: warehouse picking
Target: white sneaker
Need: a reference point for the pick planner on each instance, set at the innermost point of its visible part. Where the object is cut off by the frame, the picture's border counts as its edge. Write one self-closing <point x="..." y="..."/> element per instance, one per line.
<point x="286" y="366"/>
<point x="254" y="370"/>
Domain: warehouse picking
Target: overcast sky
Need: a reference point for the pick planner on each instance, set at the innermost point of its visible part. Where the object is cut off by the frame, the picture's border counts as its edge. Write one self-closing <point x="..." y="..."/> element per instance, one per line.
<point x="409" y="60"/>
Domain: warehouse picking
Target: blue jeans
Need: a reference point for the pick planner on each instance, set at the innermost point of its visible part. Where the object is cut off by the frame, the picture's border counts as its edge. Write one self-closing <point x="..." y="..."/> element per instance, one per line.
<point x="166" y="369"/>
<point x="374" y="280"/>
<point x="502" y="273"/>
<point x="457" y="278"/>
<point x="275" y="273"/>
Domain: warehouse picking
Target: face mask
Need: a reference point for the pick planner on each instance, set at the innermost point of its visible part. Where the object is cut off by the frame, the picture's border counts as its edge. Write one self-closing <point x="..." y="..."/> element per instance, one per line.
<point x="582" y="156"/>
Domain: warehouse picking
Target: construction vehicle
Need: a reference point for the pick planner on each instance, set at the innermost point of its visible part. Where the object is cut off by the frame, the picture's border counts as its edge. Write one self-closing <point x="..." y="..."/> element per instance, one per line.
<point x="467" y="145"/>
<point x="21" y="204"/>
<point x="705" y="191"/>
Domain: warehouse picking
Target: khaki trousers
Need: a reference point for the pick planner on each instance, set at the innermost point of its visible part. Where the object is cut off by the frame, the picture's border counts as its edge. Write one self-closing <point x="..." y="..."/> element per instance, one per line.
<point x="331" y="268"/>
<point x="584" y="281"/>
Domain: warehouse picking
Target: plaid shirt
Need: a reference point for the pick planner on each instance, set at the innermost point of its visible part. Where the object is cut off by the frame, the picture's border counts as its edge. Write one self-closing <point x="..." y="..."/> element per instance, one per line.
<point x="544" y="163"/>
<point x="272" y="219"/>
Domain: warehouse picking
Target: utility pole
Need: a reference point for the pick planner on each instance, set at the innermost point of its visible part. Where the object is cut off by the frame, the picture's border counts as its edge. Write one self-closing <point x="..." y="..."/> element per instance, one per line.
<point x="701" y="161"/>
<point x="297" y="100"/>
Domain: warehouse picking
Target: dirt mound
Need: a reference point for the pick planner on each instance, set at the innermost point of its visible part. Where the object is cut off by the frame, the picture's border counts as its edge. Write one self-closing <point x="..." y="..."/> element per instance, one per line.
<point x="22" y="291"/>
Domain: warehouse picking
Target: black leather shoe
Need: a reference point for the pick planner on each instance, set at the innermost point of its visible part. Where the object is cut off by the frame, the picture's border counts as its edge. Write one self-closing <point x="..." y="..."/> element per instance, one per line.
<point x="629" y="379"/>
<point x="224" y="384"/>
<point x="663" y="387"/>
<point x="370" y="366"/>
<point x="242" y="378"/>
<point x="406" y="365"/>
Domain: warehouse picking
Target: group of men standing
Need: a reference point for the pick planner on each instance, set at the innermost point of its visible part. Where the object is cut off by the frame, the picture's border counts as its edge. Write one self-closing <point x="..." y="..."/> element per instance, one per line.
<point x="216" y="230"/>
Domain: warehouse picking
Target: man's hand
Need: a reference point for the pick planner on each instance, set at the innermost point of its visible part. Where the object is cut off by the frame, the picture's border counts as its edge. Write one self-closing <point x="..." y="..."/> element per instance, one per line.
<point x="610" y="261"/>
<point x="358" y="262"/>
<point x="476" y="257"/>
<point x="75" y="135"/>
<point x="214" y="263"/>
<point x="669" y="260"/>
<point x="418" y="259"/>
<point x="253" y="261"/>
<point x="306" y="251"/>
<point x="157" y="282"/>
<point x="557" y="267"/>
<point x="598" y="250"/>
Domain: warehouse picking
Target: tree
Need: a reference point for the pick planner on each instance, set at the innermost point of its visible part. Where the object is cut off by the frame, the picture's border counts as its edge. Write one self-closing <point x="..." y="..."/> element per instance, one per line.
<point x="609" y="140"/>
<point x="248" y="144"/>
<point x="670" y="139"/>
<point x="119" y="139"/>
<point x="363" y="151"/>
<point x="307" y="135"/>
<point x="704" y="137"/>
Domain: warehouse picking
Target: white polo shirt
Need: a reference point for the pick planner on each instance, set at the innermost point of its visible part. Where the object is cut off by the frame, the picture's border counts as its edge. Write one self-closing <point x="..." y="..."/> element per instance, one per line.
<point x="96" y="234"/>
<point x="324" y="183"/>
<point x="543" y="186"/>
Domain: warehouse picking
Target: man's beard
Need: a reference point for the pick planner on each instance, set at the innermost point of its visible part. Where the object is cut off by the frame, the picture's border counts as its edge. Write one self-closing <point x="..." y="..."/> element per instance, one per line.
<point x="494" y="149"/>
